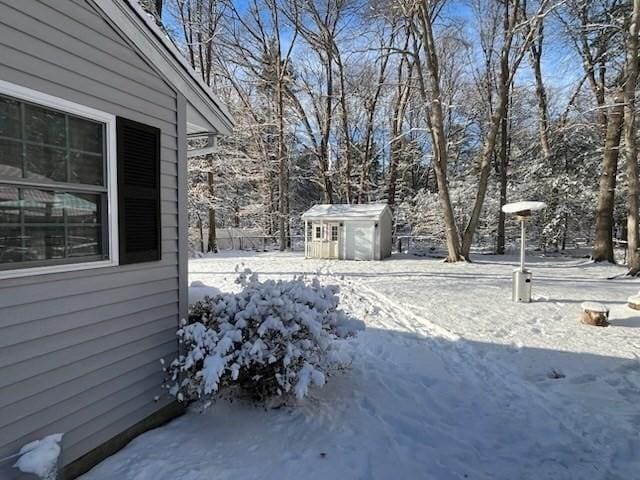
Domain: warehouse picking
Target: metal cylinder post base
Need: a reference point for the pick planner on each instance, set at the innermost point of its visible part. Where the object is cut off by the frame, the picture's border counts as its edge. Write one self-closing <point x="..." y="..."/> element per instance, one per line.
<point x="522" y="286"/>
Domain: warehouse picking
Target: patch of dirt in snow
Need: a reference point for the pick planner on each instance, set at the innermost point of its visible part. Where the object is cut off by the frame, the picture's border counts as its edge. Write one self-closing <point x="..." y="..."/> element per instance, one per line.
<point x="452" y="381"/>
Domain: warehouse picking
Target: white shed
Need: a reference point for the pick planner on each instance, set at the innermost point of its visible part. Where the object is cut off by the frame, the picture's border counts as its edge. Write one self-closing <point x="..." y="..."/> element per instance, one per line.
<point x="348" y="232"/>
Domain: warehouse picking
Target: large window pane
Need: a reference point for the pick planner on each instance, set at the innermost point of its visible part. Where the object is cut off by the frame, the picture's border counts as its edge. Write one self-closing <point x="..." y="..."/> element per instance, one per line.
<point x="44" y="163"/>
<point x="45" y="126"/>
<point x="9" y="204"/>
<point x="45" y="222"/>
<point x="10" y="158"/>
<point x="10" y="244"/>
<point x="84" y="241"/>
<point x="85" y="135"/>
<point x="80" y="207"/>
<point x="43" y="243"/>
<point x="9" y="118"/>
<point x="40" y="206"/>
<point x="85" y="168"/>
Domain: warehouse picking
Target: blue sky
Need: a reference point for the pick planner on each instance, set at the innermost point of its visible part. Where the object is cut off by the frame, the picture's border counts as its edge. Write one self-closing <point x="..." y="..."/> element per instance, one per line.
<point x="561" y="65"/>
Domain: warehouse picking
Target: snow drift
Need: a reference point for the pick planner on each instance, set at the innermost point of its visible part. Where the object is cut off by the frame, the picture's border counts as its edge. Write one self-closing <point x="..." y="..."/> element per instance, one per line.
<point x="40" y="457"/>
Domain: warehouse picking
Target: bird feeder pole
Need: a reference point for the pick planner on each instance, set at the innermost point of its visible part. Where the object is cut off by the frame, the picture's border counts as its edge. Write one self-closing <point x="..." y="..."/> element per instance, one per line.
<point x="523" y="240"/>
<point x="522" y="277"/>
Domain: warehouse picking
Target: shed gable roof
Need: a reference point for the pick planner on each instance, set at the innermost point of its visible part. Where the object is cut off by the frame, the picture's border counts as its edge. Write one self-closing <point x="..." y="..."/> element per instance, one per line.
<point x="366" y="211"/>
<point x="142" y="31"/>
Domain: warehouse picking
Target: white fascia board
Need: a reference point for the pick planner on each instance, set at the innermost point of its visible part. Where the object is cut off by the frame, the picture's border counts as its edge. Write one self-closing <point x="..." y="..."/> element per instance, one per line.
<point x="196" y="122"/>
<point x="135" y="23"/>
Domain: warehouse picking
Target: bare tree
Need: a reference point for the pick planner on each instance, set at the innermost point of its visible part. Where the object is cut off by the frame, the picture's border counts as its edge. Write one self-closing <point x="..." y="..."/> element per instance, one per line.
<point x="421" y="18"/>
<point x="403" y="79"/>
<point x="603" y="243"/>
<point x="630" y="132"/>
<point x="593" y="30"/>
<point x="318" y="24"/>
<point x="339" y="103"/>
<point x="371" y="103"/>
<point x="256" y="40"/>
<point x="535" y="55"/>
<point x="513" y="26"/>
<point x="200" y="22"/>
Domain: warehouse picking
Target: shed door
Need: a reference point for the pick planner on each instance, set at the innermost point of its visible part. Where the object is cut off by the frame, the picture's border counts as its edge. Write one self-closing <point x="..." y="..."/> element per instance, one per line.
<point x="360" y="243"/>
<point x="325" y="240"/>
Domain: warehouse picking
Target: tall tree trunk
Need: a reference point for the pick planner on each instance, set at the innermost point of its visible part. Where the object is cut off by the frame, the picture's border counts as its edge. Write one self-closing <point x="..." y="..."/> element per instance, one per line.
<point x="394" y="159"/>
<point x="269" y="200"/>
<point x="397" y="121"/>
<point x="487" y="154"/>
<point x="503" y="158"/>
<point x="367" y="158"/>
<point x="325" y="159"/>
<point x="496" y="122"/>
<point x="504" y="163"/>
<point x="541" y="94"/>
<point x="212" y="244"/>
<point x="282" y="173"/>
<point x="437" y="129"/>
<point x="631" y="151"/>
<point x="485" y="165"/>
<point x="603" y="243"/>
<point x="370" y="109"/>
<point x="288" y="213"/>
<point x="327" y="184"/>
<point x="511" y="26"/>
<point x="344" y="115"/>
<point x="200" y="230"/>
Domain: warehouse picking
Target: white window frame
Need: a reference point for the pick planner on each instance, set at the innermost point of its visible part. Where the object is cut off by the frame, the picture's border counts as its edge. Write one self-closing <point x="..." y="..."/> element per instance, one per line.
<point x="337" y="230"/>
<point x="49" y="101"/>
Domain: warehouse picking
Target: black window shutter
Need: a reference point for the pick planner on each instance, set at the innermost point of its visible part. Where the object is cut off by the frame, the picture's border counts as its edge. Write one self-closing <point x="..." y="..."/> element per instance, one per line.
<point x="138" y="191"/>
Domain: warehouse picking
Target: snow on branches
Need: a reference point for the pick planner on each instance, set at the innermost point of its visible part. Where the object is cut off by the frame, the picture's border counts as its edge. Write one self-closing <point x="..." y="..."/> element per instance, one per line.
<point x="273" y="338"/>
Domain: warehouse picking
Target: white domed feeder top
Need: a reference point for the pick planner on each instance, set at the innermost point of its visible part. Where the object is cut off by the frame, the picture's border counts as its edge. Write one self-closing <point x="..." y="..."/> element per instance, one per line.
<point x="523" y="207"/>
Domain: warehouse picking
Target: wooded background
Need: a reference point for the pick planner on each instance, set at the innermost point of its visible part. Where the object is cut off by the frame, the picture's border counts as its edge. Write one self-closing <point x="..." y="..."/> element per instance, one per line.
<point x="444" y="109"/>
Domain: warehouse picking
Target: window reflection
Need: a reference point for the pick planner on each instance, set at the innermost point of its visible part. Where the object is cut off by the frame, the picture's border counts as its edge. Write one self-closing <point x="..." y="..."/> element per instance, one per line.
<point x="52" y="178"/>
<point x="38" y="224"/>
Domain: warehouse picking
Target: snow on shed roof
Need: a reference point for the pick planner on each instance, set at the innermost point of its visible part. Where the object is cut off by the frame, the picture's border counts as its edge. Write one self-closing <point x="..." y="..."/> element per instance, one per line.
<point x="370" y="211"/>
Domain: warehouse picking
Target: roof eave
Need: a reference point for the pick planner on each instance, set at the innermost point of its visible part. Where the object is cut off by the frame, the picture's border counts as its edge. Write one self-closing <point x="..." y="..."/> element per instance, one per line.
<point x="136" y="24"/>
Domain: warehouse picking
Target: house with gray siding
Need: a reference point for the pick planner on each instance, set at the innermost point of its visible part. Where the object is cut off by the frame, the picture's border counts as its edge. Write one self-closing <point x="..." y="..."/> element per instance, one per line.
<point x="96" y="106"/>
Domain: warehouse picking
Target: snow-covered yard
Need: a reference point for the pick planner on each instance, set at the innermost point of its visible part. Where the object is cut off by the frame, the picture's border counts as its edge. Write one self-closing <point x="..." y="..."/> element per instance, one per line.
<point x="451" y="381"/>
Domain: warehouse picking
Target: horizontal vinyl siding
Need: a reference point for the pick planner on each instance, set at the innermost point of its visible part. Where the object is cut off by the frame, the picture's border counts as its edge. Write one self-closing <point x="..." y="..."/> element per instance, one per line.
<point x="59" y="25"/>
<point x="34" y="345"/>
<point x="60" y="385"/>
<point x="64" y="304"/>
<point x="80" y="351"/>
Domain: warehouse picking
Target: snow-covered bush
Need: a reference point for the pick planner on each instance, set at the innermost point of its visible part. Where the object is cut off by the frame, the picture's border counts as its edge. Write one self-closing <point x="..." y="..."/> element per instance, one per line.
<point x="198" y="292"/>
<point x="273" y="338"/>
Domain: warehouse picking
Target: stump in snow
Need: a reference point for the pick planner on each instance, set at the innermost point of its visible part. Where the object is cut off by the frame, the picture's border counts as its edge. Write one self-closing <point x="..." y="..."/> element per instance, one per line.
<point x="634" y="302"/>
<point x="595" y="314"/>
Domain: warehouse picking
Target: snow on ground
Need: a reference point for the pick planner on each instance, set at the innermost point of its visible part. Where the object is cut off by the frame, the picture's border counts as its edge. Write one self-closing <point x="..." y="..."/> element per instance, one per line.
<point x="452" y="381"/>
<point x="40" y="457"/>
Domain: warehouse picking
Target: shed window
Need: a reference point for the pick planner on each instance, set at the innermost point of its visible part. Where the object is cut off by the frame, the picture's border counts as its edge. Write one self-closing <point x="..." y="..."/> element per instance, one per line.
<point x="54" y="195"/>
<point x="334" y="233"/>
<point x="318" y="232"/>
